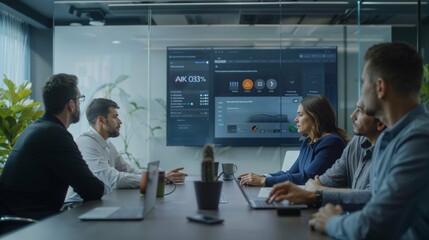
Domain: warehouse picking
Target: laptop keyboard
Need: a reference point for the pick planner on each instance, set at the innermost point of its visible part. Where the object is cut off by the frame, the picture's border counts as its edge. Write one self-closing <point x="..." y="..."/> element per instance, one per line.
<point x="261" y="203"/>
<point x="131" y="212"/>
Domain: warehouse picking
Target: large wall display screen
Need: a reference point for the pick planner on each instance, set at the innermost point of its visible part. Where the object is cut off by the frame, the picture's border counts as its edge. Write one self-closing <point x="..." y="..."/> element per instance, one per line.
<point x="243" y="96"/>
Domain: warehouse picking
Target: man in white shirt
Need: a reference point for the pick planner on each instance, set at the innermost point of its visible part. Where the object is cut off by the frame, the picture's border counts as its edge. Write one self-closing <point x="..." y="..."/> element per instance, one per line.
<point x="100" y="154"/>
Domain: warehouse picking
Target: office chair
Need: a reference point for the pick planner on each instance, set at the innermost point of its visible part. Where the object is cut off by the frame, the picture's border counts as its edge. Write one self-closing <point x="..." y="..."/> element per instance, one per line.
<point x="10" y="223"/>
<point x="289" y="160"/>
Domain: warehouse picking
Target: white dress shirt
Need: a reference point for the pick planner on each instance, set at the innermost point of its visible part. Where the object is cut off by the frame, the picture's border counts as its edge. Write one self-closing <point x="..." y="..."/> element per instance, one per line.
<point x="105" y="163"/>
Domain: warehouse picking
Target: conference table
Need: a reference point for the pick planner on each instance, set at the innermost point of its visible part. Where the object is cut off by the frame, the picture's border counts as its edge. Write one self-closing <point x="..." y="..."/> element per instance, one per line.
<point x="168" y="219"/>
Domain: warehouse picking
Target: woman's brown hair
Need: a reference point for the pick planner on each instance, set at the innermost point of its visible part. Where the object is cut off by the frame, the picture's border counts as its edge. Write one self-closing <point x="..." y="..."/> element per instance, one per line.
<point x="323" y="116"/>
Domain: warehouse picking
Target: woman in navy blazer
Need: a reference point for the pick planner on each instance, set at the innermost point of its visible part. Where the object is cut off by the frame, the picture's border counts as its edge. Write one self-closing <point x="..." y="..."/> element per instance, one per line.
<point x="323" y="143"/>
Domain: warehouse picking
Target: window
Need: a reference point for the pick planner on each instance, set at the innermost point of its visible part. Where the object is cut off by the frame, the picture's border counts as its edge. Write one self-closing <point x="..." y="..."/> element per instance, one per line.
<point x="14" y="48"/>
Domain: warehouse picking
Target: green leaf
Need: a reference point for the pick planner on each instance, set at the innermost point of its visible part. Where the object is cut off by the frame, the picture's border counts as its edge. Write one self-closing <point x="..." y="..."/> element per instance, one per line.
<point x="17" y="108"/>
<point x="17" y="111"/>
<point x="4" y="152"/>
<point x="38" y="114"/>
<point x="7" y="124"/>
<point x="135" y="107"/>
<point x="424" y="91"/>
<point x="23" y="93"/>
<point x="24" y="85"/>
<point x="4" y="145"/>
<point x="134" y="104"/>
<point x="123" y="95"/>
<point x="121" y="78"/>
<point x="10" y="84"/>
<point x="426" y="72"/>
<point x="16" y="131"/>
<point x="156" y="128"/>
<point x="4" y="112"/>
<point x="11" y="92"/>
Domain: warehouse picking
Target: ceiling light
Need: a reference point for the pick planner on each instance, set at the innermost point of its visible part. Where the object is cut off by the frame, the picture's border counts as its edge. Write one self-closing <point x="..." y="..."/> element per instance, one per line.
<point x="96" y="16"/>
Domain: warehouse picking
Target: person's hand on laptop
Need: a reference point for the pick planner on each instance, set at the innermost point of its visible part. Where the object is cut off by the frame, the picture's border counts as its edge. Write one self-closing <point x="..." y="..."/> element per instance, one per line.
<point x="320" y="219"/>
<point x="252" y="179"/>
<point x="176" y="176"/>
<point x="291" y="192"/>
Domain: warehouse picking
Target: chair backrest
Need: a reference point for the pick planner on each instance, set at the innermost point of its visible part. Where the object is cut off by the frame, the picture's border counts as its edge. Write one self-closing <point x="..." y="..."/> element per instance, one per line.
<point x="289" y="160"/>
<point x="11" y="223"/>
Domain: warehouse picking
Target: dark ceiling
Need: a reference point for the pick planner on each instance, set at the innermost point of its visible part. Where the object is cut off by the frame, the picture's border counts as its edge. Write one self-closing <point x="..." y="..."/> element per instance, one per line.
<point x="45" y="13"/>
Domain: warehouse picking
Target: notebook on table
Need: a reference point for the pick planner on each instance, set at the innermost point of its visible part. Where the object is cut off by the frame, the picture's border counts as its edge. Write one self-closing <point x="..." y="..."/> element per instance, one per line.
<point x="261" y="204"/>
<point x="129" y="213"/>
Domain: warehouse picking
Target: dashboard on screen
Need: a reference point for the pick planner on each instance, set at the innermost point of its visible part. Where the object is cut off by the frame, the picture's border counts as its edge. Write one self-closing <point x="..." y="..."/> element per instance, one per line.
<point x="243" y="96"/>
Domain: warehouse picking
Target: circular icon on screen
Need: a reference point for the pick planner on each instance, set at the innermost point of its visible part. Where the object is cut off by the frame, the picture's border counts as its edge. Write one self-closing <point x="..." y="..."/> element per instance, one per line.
<point x="271" y="84"/>
<point x="247" y="84"/>
<point x="254" y="128"/>
<point x="259" y="84"/>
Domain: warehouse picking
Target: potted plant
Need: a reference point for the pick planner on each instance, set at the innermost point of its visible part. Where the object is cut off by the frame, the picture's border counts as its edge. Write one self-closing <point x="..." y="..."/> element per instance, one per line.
<point x="424" y="91"/>
<point x="208" y="190"/>
<point x="17" y="111"/>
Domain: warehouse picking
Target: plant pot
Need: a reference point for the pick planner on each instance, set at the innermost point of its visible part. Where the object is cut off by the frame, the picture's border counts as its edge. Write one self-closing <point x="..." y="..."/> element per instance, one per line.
<point x="208" y="194"/>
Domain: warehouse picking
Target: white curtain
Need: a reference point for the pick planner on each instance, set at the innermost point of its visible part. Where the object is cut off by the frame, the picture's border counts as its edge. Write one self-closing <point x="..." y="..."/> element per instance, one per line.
<point x="14" y="48"/>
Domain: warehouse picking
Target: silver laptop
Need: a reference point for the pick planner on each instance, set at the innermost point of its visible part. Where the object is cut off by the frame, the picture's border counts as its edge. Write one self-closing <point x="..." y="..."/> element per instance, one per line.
<point x="129" y="213"/>
<point x="261" y="204"/>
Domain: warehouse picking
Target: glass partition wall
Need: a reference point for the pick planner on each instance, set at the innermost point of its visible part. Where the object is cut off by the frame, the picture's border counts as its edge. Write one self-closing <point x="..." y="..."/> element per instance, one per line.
<point x="408" y="20"/>
<point x="125" y="51"/>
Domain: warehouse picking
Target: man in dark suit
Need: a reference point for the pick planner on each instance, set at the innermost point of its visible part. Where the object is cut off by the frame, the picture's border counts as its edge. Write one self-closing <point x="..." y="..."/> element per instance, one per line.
<point x="45" y="160"/>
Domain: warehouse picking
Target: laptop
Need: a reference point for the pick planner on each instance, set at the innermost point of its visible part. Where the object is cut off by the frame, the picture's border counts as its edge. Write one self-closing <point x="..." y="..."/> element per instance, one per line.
<point x="129" y="213"/>
<point x="261" y="204"/>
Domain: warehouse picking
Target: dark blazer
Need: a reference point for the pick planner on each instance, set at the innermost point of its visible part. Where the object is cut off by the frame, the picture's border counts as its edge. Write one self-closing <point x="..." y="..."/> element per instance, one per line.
<point x="43" y="163"/>
<point x="313" y="159"/>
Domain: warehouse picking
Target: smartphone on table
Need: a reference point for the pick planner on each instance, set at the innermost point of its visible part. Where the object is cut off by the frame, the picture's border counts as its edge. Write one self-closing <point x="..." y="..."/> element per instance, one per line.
<point x="202" y="218"/>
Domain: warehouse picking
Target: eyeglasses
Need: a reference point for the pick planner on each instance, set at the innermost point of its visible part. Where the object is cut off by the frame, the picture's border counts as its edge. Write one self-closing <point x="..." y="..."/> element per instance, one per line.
<point x="81" y="98"/>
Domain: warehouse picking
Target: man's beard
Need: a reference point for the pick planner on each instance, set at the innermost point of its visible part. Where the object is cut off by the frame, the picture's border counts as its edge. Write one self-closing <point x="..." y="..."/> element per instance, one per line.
<point x="356" y="130"/>
<point x="75" y="117"/>
<point x="114" y="134"/>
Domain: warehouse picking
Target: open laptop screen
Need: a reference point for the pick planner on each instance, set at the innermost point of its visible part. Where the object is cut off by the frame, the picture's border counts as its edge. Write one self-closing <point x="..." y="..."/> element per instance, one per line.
<point x="129" y="212"/>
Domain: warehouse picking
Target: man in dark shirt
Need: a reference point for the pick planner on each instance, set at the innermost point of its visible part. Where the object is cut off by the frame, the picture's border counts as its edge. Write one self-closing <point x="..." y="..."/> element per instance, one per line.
<point x="45" y="160"/>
